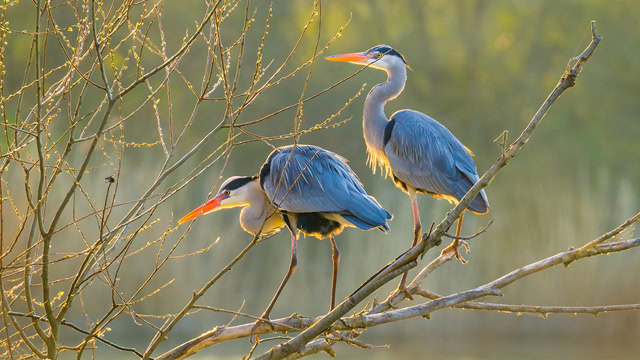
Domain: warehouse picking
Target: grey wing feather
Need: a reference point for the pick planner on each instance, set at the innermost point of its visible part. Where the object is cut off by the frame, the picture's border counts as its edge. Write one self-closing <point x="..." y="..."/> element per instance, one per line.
<point x="317" y="180"/>
<point x="424" y="154"/>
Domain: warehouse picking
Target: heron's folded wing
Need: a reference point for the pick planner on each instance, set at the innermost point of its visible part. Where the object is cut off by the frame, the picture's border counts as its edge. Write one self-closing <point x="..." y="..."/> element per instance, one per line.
<point x="426" y="155"/>
<point x="420" y="153"/>
<point x="317" y="180"/>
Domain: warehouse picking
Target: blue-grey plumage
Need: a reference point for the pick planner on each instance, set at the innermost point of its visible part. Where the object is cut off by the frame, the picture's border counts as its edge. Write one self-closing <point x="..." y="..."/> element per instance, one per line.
<point x="314" y="180"/>
<point x="419" y="153"/>
<point x="424" y="154"/>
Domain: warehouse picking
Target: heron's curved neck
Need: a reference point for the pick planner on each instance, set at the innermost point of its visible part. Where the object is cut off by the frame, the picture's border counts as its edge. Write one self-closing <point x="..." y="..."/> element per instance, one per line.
<point x="374" y="119"/>
<point x="258" y="212"/>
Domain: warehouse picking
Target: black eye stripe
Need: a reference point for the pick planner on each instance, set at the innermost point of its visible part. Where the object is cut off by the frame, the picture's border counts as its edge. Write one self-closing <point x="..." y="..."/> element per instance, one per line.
<point x="238" y="183"/>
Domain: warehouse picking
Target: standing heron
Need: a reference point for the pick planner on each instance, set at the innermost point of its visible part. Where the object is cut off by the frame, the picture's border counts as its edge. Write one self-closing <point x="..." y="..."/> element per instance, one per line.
<point x="420" y="154"/>
<point x="306" y="188"/>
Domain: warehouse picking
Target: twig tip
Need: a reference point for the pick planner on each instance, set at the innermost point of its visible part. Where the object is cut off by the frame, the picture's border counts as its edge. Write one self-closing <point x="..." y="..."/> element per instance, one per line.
<point x="594" y="30"/>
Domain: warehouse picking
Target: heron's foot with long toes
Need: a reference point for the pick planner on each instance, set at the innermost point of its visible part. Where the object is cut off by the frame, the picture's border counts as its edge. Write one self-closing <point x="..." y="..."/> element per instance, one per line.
<point x="454" y="247"/>
<point x="264" y="319"/>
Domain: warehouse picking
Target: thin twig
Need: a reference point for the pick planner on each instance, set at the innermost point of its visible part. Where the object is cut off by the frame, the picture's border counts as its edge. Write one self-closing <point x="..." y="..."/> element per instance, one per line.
<point x="480" y="231"/>
<point x="540" y="310"/>
<point x="80" y="330"/>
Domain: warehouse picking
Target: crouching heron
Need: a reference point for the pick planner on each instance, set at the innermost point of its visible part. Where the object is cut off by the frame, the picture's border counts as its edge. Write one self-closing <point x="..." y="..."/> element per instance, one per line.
<point x="306" y="189"/>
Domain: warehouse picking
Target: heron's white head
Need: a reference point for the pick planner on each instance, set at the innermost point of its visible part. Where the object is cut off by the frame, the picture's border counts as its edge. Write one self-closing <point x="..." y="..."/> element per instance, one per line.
<point x="381" y="57"/>
<point x="235" y="191"/>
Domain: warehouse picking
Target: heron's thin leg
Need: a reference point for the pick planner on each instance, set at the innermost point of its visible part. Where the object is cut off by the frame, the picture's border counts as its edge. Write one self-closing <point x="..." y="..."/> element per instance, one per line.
<point x="292" y="268"/>
<point x="417" y="230"/>
<point x="456" y="242"/>
<point x="459" y="224"/>
<point x="464" y="243"/>
<point x="335" y="255"/>
<point x="417" y="226"/>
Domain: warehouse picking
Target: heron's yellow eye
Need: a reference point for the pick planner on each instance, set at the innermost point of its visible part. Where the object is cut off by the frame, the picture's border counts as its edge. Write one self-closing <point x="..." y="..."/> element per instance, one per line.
<point x="227" y="192"/>
<point x="378" y="55"/>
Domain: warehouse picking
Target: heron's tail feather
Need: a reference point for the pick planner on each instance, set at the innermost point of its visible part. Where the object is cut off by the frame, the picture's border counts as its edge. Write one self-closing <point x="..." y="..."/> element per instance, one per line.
<point x="365" y="213"/>
<point x="480" y="204"/>
<point x="358" y="223"/>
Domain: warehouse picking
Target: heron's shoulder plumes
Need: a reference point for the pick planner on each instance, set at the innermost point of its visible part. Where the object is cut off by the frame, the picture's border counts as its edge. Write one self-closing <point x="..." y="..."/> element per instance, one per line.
<point x="469" y="151"/>
<point x="376" y="159"/>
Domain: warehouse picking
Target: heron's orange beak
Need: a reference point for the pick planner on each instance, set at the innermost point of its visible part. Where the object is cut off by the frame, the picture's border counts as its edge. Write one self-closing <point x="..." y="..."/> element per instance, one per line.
<point x="354" y="58"/>
<point x="210" y="206"/>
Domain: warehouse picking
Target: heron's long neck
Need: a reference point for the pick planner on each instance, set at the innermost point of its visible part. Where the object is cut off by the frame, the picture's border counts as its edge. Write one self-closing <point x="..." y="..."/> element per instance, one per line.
<point x="374" y="119"/>
<point x="259" y="212"/>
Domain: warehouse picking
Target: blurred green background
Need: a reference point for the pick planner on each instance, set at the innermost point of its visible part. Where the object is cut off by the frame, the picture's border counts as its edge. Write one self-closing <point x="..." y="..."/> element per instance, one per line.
<point x="479" y="67"/>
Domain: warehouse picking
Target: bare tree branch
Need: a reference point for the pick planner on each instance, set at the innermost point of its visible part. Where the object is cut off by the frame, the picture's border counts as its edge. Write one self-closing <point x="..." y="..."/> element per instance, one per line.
<point x="541" y="310"/>
<point x="462" y="300"/>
